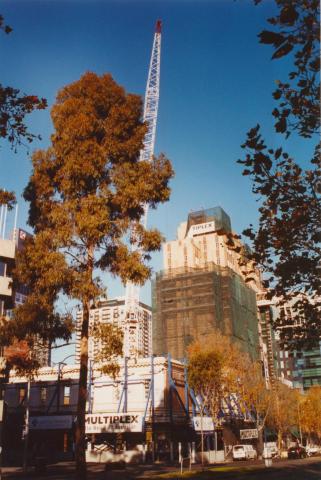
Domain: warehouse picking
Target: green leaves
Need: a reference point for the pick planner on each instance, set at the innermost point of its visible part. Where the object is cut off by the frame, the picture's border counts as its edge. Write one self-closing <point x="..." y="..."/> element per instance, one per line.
<point x="14" y="106"/>
<point x="297" y="30"/>
<point x="288" y="14"/>
<point x="7" y="198"/>
<point x="6" y="28"/>
<point x="283" y="50"/>
<point x="271" y="38"/>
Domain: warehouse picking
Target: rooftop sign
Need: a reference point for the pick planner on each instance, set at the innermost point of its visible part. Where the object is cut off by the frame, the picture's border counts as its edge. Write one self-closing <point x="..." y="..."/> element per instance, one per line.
<point x="201" y="228"/>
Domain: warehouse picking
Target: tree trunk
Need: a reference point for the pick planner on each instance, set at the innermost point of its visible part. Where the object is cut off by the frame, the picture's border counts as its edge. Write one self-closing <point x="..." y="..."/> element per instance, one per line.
<point x="80" y="442"/>
<point x="260" y="440"/>
<point x="202" y="440"/>
<point x="280" y="440"/>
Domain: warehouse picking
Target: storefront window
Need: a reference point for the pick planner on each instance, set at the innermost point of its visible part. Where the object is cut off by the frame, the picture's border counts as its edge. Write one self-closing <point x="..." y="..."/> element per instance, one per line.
<point x="43" y="394"/>
<point x="67" y="395"/>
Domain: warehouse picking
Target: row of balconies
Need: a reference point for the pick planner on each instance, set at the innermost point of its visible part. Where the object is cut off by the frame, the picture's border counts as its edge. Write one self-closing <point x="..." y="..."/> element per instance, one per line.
<point x="5" y="288"/>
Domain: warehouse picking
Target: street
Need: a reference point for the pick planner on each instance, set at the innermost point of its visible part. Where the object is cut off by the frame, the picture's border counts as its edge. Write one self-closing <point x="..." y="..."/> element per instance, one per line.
<point x="306" y="469"/>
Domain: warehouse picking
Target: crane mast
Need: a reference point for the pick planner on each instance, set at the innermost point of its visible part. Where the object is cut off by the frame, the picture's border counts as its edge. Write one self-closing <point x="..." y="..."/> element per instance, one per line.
<point x="131" y="315"/>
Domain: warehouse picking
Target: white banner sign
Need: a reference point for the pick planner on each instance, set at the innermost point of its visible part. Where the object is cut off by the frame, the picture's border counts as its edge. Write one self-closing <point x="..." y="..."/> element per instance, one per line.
<point x="201" y="228"/>
<point x="52" y="422"/>
<point x="206" y="424"/>
<point x="249" y="433"/>
<point x="114" y="422"/>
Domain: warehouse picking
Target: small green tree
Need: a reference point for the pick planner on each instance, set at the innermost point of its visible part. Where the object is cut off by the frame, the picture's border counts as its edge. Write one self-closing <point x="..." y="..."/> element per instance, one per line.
<point x="86" y="191"/>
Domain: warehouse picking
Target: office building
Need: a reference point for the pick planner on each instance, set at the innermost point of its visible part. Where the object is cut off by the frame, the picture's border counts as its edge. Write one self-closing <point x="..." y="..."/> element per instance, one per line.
<point x="301" y="367"/>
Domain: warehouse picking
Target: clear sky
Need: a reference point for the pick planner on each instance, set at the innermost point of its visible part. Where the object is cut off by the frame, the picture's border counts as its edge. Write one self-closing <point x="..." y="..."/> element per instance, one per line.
<point x="216" y="83"/>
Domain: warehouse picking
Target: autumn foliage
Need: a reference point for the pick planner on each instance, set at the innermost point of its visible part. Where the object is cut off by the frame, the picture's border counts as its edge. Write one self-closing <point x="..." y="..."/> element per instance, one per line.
<point x="87" y="193"/>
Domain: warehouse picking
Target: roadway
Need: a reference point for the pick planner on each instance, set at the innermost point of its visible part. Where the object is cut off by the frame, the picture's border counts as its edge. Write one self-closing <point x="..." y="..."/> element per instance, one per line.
<point x="305" y="469"/>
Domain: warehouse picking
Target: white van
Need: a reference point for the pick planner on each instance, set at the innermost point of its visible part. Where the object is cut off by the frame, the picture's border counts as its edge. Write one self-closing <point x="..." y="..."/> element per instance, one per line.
<point x="244" y="452"/>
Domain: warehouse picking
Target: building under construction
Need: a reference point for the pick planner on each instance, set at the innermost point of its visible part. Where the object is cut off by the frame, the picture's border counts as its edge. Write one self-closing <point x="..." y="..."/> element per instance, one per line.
<point x="203" y="289"/>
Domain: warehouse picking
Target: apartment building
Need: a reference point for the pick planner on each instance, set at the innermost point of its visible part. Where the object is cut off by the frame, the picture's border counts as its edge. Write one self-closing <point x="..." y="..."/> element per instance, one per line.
<point x="10" y="297"/>
<point x="137" y="329"/>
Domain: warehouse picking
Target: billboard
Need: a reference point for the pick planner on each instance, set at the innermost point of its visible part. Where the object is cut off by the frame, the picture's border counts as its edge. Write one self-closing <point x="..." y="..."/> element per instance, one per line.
<point x="203" y="423"/>
<point x="113" y="422"/>
<point x="249" y="433"/>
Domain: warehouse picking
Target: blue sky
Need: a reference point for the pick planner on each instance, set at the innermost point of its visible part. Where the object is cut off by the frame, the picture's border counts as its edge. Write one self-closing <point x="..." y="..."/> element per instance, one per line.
<point x="216" y="83"/>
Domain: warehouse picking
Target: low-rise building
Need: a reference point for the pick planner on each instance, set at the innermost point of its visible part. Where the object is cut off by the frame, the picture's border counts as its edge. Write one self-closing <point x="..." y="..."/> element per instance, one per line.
<point x="147" y="413"/>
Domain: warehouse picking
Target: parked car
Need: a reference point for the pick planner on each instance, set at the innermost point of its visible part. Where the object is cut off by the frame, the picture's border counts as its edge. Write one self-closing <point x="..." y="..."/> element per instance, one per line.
<point x="312" y="450"/>
<point x="297" y="452"/>
<point x="244" y="452"/>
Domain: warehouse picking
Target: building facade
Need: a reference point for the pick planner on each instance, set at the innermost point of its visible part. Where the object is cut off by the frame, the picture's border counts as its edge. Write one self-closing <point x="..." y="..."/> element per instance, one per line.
<point x="203" y="288"/>
<point x="301" y="367"/>
<point x="270" y="348"/>
<point x="137" y="330"/>
<point x="147" y="413"/>
<point x="10" y="297"/>
<point x="142" y="415"/>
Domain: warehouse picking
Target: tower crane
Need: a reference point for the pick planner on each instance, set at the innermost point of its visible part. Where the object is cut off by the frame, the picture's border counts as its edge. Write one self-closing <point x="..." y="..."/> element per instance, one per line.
<point x="132" y="323"/>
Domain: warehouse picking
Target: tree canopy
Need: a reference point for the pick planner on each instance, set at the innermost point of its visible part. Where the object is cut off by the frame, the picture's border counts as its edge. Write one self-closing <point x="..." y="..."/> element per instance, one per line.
<point x="287" y="241"/>
<point x="214" y="370"/>
<point x="87" y="193"/>
<point x="14" y="106"/>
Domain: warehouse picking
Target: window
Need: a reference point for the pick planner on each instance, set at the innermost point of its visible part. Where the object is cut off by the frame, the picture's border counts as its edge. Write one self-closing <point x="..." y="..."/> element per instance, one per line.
<point x="43" y="395"/>
<point x="22" y="394"/>
<point x="66" y="395"/>
<point x="2" y="269"/>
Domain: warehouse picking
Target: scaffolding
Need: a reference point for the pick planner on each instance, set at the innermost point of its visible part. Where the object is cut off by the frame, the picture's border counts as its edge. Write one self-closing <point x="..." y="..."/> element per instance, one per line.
<point x="191" y="303"/>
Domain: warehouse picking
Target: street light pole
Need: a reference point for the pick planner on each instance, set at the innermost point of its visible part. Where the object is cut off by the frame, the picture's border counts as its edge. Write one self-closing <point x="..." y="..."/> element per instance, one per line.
<point x="26" y="427"/>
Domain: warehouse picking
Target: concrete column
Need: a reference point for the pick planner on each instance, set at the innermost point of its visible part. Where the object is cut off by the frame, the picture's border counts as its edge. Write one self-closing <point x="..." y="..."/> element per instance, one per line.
<point x="193" y="452"/>
<point x="171" y="447"/>
<point x="144" y="452"/>
<point x="179" y="451"/>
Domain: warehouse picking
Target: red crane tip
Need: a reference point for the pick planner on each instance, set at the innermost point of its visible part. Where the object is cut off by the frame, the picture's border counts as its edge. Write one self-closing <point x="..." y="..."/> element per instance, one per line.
<point x="158" y="27"/>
